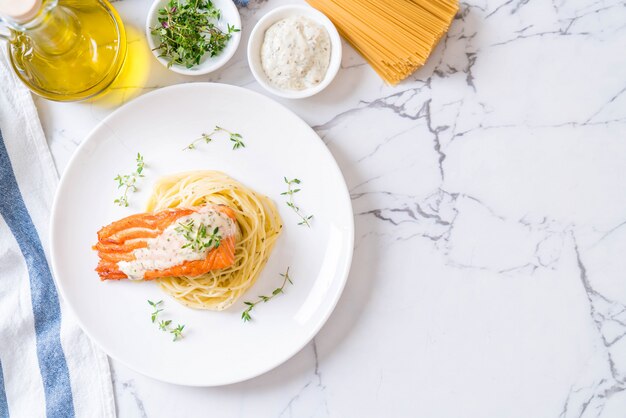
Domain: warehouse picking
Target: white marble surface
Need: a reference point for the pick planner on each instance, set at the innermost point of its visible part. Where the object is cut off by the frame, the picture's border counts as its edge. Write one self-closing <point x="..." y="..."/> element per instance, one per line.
<point x="489" y="269"/>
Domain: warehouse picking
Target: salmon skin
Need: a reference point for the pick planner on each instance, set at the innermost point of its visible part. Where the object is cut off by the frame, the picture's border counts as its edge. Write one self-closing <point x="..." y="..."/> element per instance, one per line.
<point x="120" y="243"/>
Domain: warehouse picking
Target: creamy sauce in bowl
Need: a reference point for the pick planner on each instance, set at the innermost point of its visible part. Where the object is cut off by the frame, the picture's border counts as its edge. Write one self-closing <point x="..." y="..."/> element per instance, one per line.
<point x="295" y="53"/>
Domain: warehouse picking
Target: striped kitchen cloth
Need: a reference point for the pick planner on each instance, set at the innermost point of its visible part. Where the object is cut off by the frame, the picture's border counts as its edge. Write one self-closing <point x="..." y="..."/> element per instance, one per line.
<point x="48" y="366"/>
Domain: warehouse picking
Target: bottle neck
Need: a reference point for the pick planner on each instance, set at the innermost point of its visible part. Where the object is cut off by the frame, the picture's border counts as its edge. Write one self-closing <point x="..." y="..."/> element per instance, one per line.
<point x="21" y="15"/>
<point x="54" y="30"/>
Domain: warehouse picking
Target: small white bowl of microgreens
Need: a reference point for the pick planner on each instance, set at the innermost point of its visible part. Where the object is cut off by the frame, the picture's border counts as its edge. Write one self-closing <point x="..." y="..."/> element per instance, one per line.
<point x="193" y="37"/>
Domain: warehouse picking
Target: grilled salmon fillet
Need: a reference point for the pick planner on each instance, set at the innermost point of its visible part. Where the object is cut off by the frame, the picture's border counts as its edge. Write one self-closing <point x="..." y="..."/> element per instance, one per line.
<point x="148" y="245"/>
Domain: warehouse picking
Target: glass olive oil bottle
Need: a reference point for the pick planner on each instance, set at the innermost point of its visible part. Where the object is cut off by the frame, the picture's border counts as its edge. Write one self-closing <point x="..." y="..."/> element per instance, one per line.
<point x="64" y="49"/>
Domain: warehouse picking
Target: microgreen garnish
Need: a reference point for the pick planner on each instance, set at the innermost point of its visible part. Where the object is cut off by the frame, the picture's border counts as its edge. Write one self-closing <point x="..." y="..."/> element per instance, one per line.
<point x="178" y="332"/>
<point x="187" y="31"/>
<point x="128" y="181"/>
<point x="155" y="306"/>
<point x="245" y="315"/>
<point x="164" y="325"/>
<point x="306" y="220"/>
<point x="200" y="238"/>
<point x="235" y="138"/>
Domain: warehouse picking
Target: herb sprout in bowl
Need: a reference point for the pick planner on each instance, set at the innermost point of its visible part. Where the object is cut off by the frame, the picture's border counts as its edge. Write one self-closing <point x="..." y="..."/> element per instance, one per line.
<point x="193" y="37"/>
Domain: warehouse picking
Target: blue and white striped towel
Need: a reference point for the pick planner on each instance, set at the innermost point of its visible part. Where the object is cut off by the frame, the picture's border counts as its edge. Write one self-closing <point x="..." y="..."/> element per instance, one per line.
<point x="48" y="366"/>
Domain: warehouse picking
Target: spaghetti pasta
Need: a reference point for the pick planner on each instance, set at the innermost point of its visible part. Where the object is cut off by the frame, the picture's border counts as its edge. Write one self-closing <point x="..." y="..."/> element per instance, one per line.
<point x="259" y="226"/>
<point x="394" y="36"/>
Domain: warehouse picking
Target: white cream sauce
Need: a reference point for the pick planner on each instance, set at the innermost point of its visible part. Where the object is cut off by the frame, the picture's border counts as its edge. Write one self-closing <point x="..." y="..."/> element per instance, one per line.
<point x="295" y="53"/>
<point x="167" y="250"/>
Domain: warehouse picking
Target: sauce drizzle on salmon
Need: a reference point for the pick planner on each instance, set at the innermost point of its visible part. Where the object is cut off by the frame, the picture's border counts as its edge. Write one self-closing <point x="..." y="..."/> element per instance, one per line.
<point x="150" y="245"/>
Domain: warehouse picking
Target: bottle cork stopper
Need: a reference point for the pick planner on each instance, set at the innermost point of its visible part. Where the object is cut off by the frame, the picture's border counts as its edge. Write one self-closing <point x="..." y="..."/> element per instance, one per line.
<point x="20" y="11"/>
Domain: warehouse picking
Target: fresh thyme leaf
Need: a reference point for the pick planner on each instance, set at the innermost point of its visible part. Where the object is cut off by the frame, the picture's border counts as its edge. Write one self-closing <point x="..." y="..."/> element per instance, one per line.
<point x="185" y="228"/>
<point x="187" y="31"/>
<point x="128" y="181"/>
<point x="245" y="315"/>
<point x="233" y="136"/>
<point x="177" y="332"/>
<point x="238" y="143"/>
<point x="140" y="163"/>
<point x="156" y="312"/>
<point x="164" y="324"/>
<point x="305" y="220"/>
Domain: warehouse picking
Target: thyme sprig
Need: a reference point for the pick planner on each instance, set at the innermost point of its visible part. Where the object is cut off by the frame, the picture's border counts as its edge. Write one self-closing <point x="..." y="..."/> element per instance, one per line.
<point x="200" y="238"/>
<point x="128" y="181"/>
<point x="164" y="325"/>
<point x="306" y="220"/>
<point x="187" y="31"/>
<point x="204" y="137"/>
<point x="234" y="137"/>
<point x="245" y="315"/>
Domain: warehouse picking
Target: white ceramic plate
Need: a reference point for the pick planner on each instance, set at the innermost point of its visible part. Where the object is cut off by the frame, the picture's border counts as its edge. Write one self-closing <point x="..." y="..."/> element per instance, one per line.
<point x="218" y="347"/>
<point x="229" y="16"/>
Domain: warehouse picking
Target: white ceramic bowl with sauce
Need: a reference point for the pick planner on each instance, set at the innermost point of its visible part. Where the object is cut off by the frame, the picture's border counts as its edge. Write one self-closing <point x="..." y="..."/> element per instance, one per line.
<point x="230" y="15"/>
<point x="258" y="35"/>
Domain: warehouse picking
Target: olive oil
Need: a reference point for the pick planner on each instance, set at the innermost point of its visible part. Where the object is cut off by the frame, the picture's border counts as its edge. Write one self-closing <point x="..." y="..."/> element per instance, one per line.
<point x="73" y="49"/>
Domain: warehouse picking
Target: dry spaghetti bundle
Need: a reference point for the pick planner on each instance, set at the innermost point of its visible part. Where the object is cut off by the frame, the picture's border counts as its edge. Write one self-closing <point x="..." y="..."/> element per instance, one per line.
<point x="395" y="36"/>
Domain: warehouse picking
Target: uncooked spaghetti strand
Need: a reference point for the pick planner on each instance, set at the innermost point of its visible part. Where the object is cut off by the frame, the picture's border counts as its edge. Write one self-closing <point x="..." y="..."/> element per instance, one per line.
<point x="394" y="36"/>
